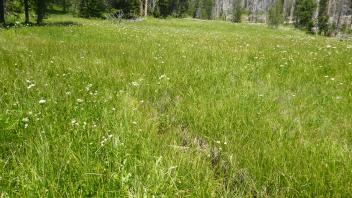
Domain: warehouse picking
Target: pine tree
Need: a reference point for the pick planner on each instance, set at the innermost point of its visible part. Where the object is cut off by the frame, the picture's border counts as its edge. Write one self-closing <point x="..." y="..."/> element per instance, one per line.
<point x="26" y="11"/>
<point x="276" y="17"/>
<point x="83" y="9"/>
<point x="323" y="17"/>
<point x="91" y="8"/>
<point x="304" y="14"/>
<point x="130" y="8"/>
<point x="208" y="7"/>
<point x="40" y="11"/>
<point x="237" y="12"/>
<point x="64" y="6"/>
<point x="164" y="8"/>
<point x="183" y="7"/>
<point x="2" y="12"/>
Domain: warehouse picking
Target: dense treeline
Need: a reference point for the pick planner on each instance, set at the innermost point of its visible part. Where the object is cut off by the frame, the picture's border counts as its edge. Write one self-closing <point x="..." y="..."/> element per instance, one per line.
<point x="15" y="9"/>
<point x="322" y="16"/>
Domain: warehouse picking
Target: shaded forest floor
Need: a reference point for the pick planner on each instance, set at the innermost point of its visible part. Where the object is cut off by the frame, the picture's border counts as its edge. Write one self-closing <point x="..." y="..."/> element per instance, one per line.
<point x="173" y="107"/>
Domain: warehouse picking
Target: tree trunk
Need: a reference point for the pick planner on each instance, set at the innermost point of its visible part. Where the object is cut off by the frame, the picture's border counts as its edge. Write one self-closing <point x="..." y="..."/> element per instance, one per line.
<point x="140" y="7"/>
<point x="339" y="15"/>
<point x="338" y="20"/>
<point x="292" y="11"/>
<point x="146" y="8"/>
<point x="2" y="11"/>
<point x="351" y="15"/>
<point x="64" y="9"/>
<point x="40" y="11"/>
<point x="26" y="11"/>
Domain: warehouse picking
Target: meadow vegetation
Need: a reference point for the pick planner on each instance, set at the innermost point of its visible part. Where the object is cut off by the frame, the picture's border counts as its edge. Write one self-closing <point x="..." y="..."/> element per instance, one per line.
<point x="173" y="108"/>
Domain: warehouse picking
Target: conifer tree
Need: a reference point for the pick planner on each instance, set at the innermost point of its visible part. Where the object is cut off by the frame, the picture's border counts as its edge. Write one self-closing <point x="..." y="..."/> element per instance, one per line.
<point x="276" y="17"/>
<point x="237" y="11"/>
<point x="2" y="12"/>
<point x="323" y="17"/>
<point x="304" y="14"/>
<point x="40" y="9"/>
<point x="26" y="11"/>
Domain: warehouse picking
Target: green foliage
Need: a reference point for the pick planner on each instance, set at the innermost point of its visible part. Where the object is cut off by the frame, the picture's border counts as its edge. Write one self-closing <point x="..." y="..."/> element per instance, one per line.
<point x="304" y="11"/>
<point x="14" y="7"/>
<point x="201" y="9"/>
<point x="2" y="13"/>
<point x="176" y="8"/>
<point x="323" y="17"/>
<point x="182" y="8"/>
<point x="237" y="12"/>
<point x="91" y="8"/>
<point x="275" y="17"/>
<point x="40" y="10"/>
<point x="130" y="8"/>
<point x="207" y="6"/>
<point x="164" y="8"/>
<point x="14" y="10"/>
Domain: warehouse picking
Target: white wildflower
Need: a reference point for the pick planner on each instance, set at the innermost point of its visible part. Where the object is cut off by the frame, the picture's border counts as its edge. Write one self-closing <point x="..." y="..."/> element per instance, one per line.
<point x="105" y="140"/>
<point x="88" y="87"/>
<point x="26" y="119"/>
<point x="73" y="121"/>
<point x="79" y="100"/>
<point x="30" y="86"/>
<point x="42" y="101"/>
<point x="136" y="84"/>
<point x="162" y="76"/>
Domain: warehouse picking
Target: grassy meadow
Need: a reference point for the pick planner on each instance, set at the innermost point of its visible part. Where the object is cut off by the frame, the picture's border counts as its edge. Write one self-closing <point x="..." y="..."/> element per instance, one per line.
<point x="173" y="108"/>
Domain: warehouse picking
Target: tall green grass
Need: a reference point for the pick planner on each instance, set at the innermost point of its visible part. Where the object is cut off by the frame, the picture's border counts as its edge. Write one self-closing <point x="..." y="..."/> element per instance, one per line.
<point x="173" y="108"/>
